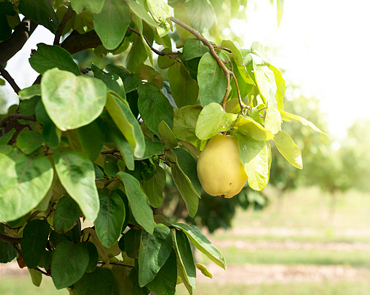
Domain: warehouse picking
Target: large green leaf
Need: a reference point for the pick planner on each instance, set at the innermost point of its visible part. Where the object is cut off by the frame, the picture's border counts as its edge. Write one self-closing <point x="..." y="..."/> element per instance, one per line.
<point x="93" y="6"/>
<point x="138" y="7"/>
<point x="69" y="263"/>
<point x="154" y="107"/>
<point x="165" y="281"/>
<point x="154" y="252"/>
<point x="200" y="14"/>
<point x="288" y="149"/>
<point x="66" y="214"/>
<point x="193" y="48"/>
<point x="131" y="242"/>
<point x="186" y="189"/>
<point x="184" y="122"/>
<point x="112" y="213"/>
<point x="159" y="10"/>
<point x="92" y="138"/>
<point x="112" y="22"/>
<point x="202" y="243"/>
<point x="247" y="126"/>
<point x="212" y="120"/>
<point x="47" y="57"/>
<point x="24" y="182"/>
<point x="99" y="282"/>
<point x="77" y="175"/>
<point x="41" y="12"/>
<point x="137" y="54"/>
<point x="211" y="79"/>
<point x="138" y="200"/>
<point x="183" y="88"/>
<point x="154" y="187"/>
<point x="35" y="236"/>
<point x="266" y="83"/>
<point x="256" y="158"/>
<point x="74" y="101"/>
<point x="127" y="124"/>
<point x="185" y="260"/>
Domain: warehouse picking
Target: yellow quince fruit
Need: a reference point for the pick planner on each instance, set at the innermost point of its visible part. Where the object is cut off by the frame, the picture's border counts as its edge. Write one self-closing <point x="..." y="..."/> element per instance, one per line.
<point x="220" y="171"/>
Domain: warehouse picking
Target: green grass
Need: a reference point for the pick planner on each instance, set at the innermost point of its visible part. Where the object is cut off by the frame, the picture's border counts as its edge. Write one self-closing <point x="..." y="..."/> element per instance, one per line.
<point x="297" y="288"/>
<point x="233" y="255"/>
<point x="22" y="285"/>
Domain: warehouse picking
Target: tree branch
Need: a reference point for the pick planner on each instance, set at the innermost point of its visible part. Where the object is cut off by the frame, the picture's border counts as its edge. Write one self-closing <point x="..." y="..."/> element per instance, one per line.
<point x="226" y="71"/>
<point x="16" y="116"/>
<point x="15" y="43"/>
<point x="9" y="240"/>
<point x="9" y="78"/>
<point x="77" y="42"/>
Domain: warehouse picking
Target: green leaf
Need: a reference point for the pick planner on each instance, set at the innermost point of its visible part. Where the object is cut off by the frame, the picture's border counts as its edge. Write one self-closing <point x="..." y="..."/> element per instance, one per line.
<point x="50" y="133"/>
<point x="186" y="189"/>
<point x="266" y="83"/>
<point x="247" y="126"/>
<point x="159" y="10"/>
<point x="211" y="79"/>
<point x="127" y="124"/>
<point x="188" y="166"/>
<point x="166" y="135"/>
<point x="193" y="48"/>
<point x="165" y="281"/>
<point x="130" y="80"/>
<point x="153" y="148"/>
<point x="30" y="92"/>
<point x="212" y="120"/>
<point x="202" y="243"/>
<point x="93" y="6"/>
<point x="164" y="61"/>
<point x="112" y="80"/>
<point x="77" y="175"/>
<point x="154" y="252"/>
<point x="138" y="200"/>
<point x="112" y="22"/>
<point x="280" y="83"/>
<point x="41" y="12"/>
<point x="99" y="282"/>
<point x="90" y="233"/>
<point x="291" y="117"/>
<point x="36" y="277"/>
<point x="288" y="149"/>
<point x="66" y="215"/>
<point x="204" y="270"/>
<point x="138" y="7"/>
<point x="184" y="122"/>
<point x="29" y="141"/>
<point x="7" y="137"/>
<point x="154" y="187"/>
<point x="185" y="261"/>
<point x="74" y="101"/>
<point x="35" y="236"/>
<point x="112" y="213"/>
<point x="92" y="138"/>
<point x="256" y="159"/>
<point x="201" y="14"/>
<point x="47" y="57"/>
<point x="7" y="252"/>
<point x="68" y="264"/>
<point x="93" y="257"/>
<point x="131" y="242"/>
<point x="154" y="107"/>
<point x="21" y="176"/>
<point x="137" y="54"/>
<point x="183" y="88"/>
<point x="280" y="10"/>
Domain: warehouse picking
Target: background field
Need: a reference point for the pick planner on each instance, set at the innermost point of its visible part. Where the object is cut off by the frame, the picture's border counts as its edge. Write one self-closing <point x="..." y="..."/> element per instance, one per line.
<point x="302" y="244"/>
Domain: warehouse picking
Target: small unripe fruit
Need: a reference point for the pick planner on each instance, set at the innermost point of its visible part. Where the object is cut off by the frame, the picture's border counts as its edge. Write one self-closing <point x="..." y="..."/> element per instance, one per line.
<point x="220" y="171"/>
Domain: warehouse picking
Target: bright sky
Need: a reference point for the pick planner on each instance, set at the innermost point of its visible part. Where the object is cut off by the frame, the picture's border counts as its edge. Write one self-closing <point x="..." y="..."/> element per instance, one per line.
<point x="323" y="45"/>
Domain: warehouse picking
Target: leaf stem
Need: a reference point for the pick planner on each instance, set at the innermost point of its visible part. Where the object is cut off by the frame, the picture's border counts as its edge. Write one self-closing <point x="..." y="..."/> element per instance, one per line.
<point x="212" y="50"/>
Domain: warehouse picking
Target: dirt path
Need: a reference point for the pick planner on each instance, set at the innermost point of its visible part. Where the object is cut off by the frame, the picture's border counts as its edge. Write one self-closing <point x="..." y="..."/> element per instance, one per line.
<point x="257" y="274"/>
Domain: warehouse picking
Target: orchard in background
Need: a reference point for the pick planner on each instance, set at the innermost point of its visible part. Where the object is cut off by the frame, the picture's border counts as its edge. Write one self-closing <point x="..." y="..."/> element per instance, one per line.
<point x="85" y="155"/>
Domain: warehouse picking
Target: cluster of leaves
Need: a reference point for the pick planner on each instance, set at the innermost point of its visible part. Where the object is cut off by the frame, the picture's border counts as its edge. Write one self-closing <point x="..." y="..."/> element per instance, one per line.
<point x="85" y="166"/>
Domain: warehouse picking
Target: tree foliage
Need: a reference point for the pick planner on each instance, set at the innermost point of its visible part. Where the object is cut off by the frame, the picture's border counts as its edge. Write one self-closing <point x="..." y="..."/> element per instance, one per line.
<point x="85" y="156"/>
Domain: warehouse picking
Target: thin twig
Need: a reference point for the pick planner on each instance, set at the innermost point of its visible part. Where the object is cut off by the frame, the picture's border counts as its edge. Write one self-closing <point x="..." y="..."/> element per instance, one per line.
<point x="16" y="116"/>
<point x="69" y="13"/>
<point x="43" y="272"/>
<point x="8" y="239"/>
<point x="9" y="78"/>
<point x="226" y="71"/>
